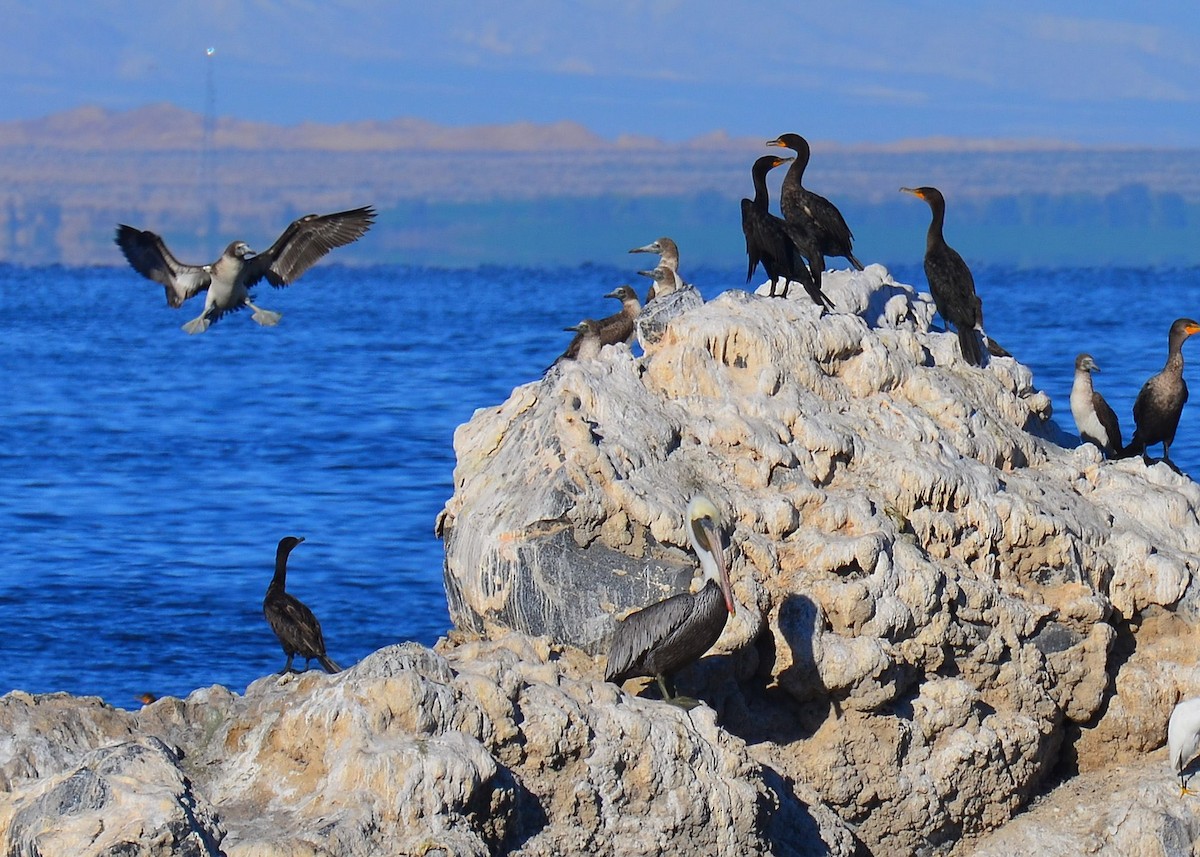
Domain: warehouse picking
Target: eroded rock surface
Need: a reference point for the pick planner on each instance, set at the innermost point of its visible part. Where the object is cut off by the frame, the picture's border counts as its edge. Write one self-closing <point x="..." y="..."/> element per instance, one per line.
<point x="932" y="579"/>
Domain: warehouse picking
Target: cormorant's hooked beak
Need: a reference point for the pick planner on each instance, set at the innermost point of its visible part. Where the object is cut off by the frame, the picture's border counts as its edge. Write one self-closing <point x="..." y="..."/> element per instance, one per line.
<point x="707" y="532"/>
<point x="1192" y="328"/>
<point x="777" y="142"/>
<point x="913" y="191"/>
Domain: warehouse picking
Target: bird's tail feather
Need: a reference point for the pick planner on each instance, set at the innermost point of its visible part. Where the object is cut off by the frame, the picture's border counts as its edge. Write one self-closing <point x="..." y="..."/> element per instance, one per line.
<point x="329" y="664"/>
<point x="857" y="264"/>
<point x="968" y="341"/>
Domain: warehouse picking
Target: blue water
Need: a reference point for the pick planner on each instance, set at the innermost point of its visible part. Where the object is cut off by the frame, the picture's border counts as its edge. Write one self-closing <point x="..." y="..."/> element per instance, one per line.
<point x="146" y="476"/>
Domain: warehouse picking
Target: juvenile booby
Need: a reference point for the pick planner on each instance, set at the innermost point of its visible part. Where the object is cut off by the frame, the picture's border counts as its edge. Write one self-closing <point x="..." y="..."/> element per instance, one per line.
<point x="812" y="212"/>
<point x="668" y="257"/>
<point x="665" y="637"/>
<point x="229" y="279"/>
<point x="1096" y="421"/>
<point x="1183" y="738"/>
<point x="585" y="345"/>
<point x="294" y="624"/>
<point x="950" y="280"/>
<point x="769" y="242"/>
<point x="621" y="326"/>
<point x="1160" y="402"/>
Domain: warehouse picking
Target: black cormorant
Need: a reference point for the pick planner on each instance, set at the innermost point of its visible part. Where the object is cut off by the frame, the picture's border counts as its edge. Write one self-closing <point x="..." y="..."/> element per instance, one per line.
<point x="229" y="279"/>
<point x="1158" y="406"/>
<point x="813" y="213"/>
<point x="769" y="241"/>
<point x="665" y="637"/>
<point x="950" y="280"/>
<point x="1096" y="421"/>
<point x="294" y="624"/>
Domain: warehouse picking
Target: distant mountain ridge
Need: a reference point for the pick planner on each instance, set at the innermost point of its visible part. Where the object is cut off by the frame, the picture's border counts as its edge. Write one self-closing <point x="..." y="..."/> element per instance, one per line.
<point x="166" y="127"/>
<point x="537" y="194"/>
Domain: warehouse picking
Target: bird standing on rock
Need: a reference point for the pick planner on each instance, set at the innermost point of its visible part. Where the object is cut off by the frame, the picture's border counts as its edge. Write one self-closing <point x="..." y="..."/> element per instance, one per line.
<point x="229" y="279"/>
<point x="1096" y="421"/>
<point x="1160" y="402"/>
<point x="665" y="637"/>
<point x="769" y="242"/>
<point x="950" y="280"/>
<point x="809" y="211"/>
<point x="294" y="624"/>
<point x="1183" y="738"/>
<point x="668" y="257"/>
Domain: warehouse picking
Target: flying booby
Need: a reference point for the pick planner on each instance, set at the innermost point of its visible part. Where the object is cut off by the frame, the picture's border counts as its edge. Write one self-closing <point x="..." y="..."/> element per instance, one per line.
<point x="294" y="624"/>
<point x="810" y="211"/>
<point x="1160" y="402"/>
<point x="667" y="636"/>
<point x="950" y="280"/>
<point x="1096" y="421"/>
<point x="668" y="257"/>
<point x="770" y="242"/>
<point x="229" y="279"/>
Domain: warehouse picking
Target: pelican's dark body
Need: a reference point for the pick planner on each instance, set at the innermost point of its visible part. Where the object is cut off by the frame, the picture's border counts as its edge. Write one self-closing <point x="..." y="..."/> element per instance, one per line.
<point x="950" y="280"/>
<point x="665" y="637"/>
<point x="295" y="626"/>
<point x="811" y="212"/>
<point x="1160" y="402"/>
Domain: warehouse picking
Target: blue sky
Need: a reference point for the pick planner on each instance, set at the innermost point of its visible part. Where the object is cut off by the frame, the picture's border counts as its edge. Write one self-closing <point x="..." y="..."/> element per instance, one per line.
<point x="1101" y="72"/>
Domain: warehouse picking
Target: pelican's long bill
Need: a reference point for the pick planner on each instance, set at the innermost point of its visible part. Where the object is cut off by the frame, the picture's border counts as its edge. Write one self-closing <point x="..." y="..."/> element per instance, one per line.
<point x="705" y="531"/>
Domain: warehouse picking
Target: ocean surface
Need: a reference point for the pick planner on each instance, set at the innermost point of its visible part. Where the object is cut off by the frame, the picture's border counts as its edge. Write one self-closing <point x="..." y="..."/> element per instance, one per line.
<point x="146" y="476"/>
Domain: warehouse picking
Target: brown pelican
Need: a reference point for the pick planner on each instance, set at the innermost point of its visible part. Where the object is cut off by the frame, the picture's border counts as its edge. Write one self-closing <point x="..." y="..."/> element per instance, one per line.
<point x="229" y="279"/>
<point x="950" y="280"/>
<point x="1095" y="420"/>
<point x="294" y="624"/>
<point x="813" y="213"/>
<point x="668" y="257"/>
<point x="1158" y="406"/>
<point x="1183" y="738"/>
<point x="665" y="637"/>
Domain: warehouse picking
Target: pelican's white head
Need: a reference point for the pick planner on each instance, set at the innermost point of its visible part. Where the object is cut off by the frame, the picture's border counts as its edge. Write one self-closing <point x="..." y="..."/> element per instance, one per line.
<point x="704" y="532"/>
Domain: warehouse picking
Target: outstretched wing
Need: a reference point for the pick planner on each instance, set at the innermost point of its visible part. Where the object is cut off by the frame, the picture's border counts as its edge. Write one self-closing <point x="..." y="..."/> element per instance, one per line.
<point x="304" y="242"/>
<point x="150" y="257"/>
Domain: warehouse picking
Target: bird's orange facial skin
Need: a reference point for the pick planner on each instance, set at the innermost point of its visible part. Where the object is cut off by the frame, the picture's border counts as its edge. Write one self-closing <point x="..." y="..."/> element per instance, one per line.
<point x="774" y="143"/>
<point x="1192" y="328"/>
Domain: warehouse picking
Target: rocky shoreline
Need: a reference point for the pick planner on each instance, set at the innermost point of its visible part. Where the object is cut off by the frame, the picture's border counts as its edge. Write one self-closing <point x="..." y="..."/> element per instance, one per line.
<point x="958" y="632"/>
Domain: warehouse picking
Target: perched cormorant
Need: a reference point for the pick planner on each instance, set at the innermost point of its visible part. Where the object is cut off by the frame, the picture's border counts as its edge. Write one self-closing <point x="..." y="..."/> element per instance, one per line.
<point x="769" y="241"/>
<point x="1158" y="406"/>
<point x="586" y="344"/>
<point x="1183" y="738"/>
<point x="1095" y="420"/>
<point x="229" y="279"/>
<point x="667" y="636"/>
<point x="950" y="280"/>
<point x="668" y="257"/>
<point x="297" y="628"/>
<point x="810" y="211"/>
